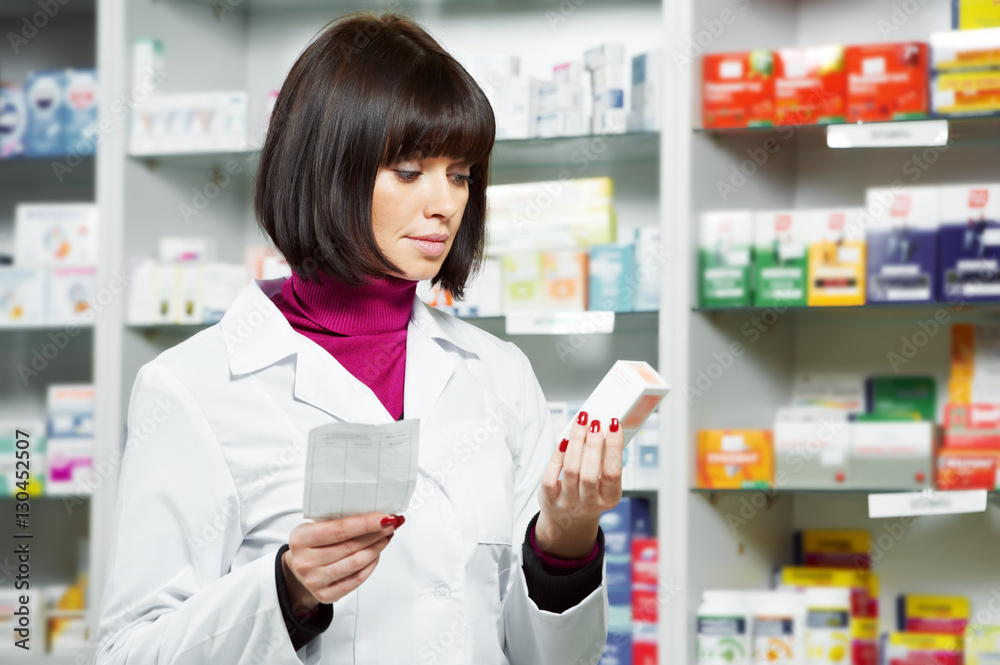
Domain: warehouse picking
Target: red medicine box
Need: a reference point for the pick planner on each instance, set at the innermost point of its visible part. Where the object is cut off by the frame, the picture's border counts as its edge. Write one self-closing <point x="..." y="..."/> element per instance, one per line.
<point x="737" y="89"/>
<point x="972" y="426"/>
<point x="887" y="82"/>
<point x="809" y="85"/>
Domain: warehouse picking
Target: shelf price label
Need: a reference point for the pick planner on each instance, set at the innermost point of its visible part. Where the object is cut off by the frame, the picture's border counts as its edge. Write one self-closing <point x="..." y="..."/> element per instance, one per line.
<point x="888" y="134"/>
<point x="559" y="323"/>
<point x="927" y="502"/>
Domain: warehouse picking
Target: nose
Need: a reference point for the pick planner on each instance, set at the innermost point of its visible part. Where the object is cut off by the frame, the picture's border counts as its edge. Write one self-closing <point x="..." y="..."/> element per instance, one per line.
<point x="443" y="198"/>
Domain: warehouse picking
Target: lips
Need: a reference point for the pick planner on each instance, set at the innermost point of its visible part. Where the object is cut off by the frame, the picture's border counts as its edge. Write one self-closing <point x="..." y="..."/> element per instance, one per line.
<point x="436" y="237"/>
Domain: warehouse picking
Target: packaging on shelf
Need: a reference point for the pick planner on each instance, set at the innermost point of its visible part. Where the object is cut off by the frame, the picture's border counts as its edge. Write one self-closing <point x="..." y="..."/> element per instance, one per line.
<point x="13" y="121"/>
<point x="141" y="298"/>
<point x="482" y="294"/>
<point x="735" y="459"/>
<point x="70" y="443"/>
<point x="942" y="615"/>
<point x="738" y="89"/>
<point x="723" y="628"/>
<point x="810" y="85"/>
<point x="902" y="242"/>
<point x="845" y="392"/>
<point x="645" y="601"/>
<point x="80" y="131"/>
<point x="555" y="214"/>
<point x="975" y="15"/>
<point x="177" y="249"/>
<point x="193" y="293"/>
<point x="610" y="271"/>
<point x="191" y="122"/>
<point x="568" y="72"/>
<point x="777" y="633"/>
<point x="811" y="448"/>
<point x="725" y="240"/>
<point x="55" y="234"/>
<point x="22" y="296"/>
<point x="970" y="242"/>
<point x="564" y="280"/>
<point x="965" y="50"/>
<point x="648" y="261"/>
<point x="972" y="426"/>
<point x="265" y="262"/>
<point x="147" y="64"/>
<point x="816" y="548"/>
<point x="70" y="290"/>
<point x="975" y="364"/>
<point x="45" y="97"/>
<point x="910" y="397"/>
<point x="644" y="454"/>
<point x="604" y="55"/>
<point x="781" y="239"/>
<point x="905" y="648"/>
<point x="964" y="469"/>
<point x="608" y="77"/>
<point x="887" y="82"/>
<point x="836" y="258"/>
<point x="523" y="287"/>
<point x="982" y="644"/>
<point x="515" y="106"/>
<point x="561" y="123"/>
<point x="629" y="520"/>
<point x="892" y="455"/>
<point x="966" y="93"/>
<point x="646" y="104"/>
<point x="33" y="440"/>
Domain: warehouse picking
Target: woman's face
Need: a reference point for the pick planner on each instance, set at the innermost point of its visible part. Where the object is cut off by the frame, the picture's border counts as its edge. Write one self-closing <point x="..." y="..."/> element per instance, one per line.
<point x="417" y="208"/>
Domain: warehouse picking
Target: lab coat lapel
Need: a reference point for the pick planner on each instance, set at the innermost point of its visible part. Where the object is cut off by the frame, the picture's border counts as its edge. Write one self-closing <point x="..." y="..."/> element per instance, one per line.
<point x="428" y="369"/>
<point x="322" y="381"/>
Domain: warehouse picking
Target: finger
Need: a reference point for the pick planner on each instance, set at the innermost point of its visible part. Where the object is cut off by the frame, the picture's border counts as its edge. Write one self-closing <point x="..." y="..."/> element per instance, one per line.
<point x="344" y="586"/>
<point x="574" y="454"/>
<point x="614" y="445"/>
<point x="551" y="484"/>
<point x="350" y="564"/>
<point x="590" y="465"/>
<point x="328" y="554"/>
<point x="327" y="532"/>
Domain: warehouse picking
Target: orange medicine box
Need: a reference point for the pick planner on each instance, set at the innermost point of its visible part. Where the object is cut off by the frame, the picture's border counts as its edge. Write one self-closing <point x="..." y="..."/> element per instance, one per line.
<point x="737" y="89"/>
<point x="965" y="469"/>
<point x="809" y="85"/>
<point x="735" y="459"/>
<point x="887" y="82"/>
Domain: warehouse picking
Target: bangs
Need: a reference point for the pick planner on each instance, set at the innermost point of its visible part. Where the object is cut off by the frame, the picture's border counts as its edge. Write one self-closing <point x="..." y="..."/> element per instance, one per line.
<point x="439" y="112"/>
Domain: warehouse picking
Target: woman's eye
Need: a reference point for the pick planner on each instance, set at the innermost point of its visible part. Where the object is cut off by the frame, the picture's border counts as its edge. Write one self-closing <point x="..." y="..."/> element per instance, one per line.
<point x="461" y="179"/>
<point x="407" y="176"/>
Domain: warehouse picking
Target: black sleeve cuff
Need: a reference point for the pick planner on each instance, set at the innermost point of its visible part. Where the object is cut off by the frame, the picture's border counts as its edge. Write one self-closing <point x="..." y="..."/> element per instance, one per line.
<point x="556" y="589"/>
<point x="301" y="632"/>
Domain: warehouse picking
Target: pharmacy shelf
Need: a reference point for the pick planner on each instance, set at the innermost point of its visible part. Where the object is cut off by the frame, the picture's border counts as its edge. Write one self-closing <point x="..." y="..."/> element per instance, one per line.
<point x="963" y="130"/>
<point x="575" y="153"/>
<point x="44" y="327"/>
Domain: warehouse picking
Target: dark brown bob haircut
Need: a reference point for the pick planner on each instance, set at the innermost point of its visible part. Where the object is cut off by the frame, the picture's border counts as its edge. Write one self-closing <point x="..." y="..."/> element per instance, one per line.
<point x="369" y="91"/>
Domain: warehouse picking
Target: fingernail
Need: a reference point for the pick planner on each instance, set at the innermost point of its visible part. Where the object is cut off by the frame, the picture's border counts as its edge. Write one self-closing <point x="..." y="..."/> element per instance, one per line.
<point x="389" y="521"/>
<point x="614" y="425"/>
<point x="595" y="426"/>
<point x="399" y="521"/>
<point x="582" y="418"/>
<point x="563" y="444"/>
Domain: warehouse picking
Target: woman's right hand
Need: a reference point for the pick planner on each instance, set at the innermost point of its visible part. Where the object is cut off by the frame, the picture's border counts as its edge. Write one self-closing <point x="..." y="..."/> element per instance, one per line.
<point x="328" y="559"/>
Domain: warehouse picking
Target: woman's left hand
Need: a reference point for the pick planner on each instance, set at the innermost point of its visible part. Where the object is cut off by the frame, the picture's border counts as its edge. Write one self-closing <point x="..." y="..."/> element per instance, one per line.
<point x="591" y="484"/>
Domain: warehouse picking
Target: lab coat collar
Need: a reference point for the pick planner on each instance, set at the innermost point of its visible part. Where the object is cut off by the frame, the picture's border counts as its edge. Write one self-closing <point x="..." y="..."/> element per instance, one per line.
<point x="256" y="335"/>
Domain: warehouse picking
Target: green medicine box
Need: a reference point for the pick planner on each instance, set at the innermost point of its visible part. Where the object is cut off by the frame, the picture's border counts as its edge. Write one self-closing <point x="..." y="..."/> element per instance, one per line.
<point x="780" y="262"/>
<point x="724" y="258"/>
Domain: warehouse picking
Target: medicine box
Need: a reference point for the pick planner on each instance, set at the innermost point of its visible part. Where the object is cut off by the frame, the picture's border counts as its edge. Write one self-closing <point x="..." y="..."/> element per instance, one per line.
<point x="610" y="270"/>
<point x="812" y="446"/>
<point x="648" y="262"/>
<point x="982" y="644"/>
<point x="903" y="397"/>
<point x="738" y="89"/>
<point x="902" y="244"/>
<point x="523" y="287"/>
<point x="13" y="121"/>
<point x="975" y="15"/>
<point x="892" y="455"/>
<point x="969" y="242"/>
<point x="963" y="50"/>
<point x="810" y="85"/>
<point x="887" y="82"/>
<point x="966" y="92"/>
<point x="604" y="55"/>
<point x="942" y="615"/>
<point x="80" y="130"/>
<point x="836" y="258"/>
<point x="904" y="648"/>
<point x="482" y="294"/>
<point x="972" y="426"/>
<point x="630" y="391"/>
<point x="822" y="548"/>
<point x="564" y="277"/>
<point x="781" y="240"/>
<point x="22" y="296"/>
<point x="628" y="520"/>
<point x="966" y="469"/>
<point x="31" y="433"/>
<point x="70" y="438"/>
<point x="45" y="96"/>
<point x="644" y="455"/>
<point x="735" y="459"/>
<point x="724" y="258"/>
<point x="70" y="291"/>
<point x="55" y="233"/>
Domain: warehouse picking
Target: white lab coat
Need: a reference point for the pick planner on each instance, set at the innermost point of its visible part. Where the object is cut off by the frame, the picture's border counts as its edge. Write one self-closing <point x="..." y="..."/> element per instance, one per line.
<point x="212" y="483"/>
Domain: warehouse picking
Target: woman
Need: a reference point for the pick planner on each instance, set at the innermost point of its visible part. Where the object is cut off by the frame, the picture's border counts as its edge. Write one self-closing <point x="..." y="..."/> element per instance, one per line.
<point x="372" y="177"/>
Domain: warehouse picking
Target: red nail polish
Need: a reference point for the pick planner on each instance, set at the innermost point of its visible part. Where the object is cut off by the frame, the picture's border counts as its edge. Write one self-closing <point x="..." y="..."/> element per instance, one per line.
<point x="389" y="521"/>
<point x="399" y="521"/>
<point x="582" y="418"/>
<point x="563" y="444"/>
<point x="595" y="426"/>
<point x="614" y="425"/>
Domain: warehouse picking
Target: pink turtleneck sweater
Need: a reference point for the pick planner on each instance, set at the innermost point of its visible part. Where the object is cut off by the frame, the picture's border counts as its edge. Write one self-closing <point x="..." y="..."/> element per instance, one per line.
<point x="364" y="328"/>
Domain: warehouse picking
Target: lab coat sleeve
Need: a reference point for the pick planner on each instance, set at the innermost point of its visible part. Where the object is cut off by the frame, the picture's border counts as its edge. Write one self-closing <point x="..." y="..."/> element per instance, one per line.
<point x="171" y="596"/>
<point x="532" y="635"/>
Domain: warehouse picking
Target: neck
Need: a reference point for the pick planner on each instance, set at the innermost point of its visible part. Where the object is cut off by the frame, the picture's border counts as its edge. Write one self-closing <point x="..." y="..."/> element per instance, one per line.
<point x="382" y="305"/>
